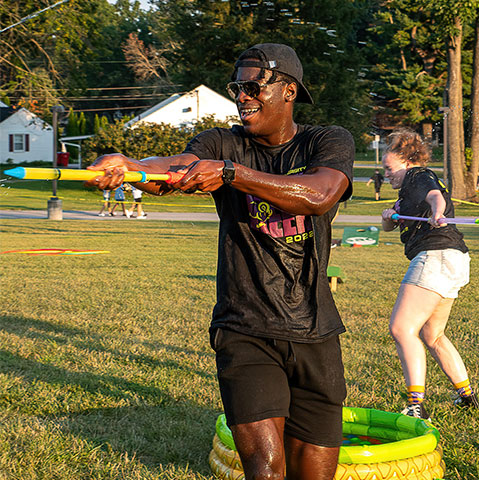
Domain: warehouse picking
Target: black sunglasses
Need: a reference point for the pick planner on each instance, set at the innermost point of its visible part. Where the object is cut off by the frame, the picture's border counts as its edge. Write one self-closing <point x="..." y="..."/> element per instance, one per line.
<point x="252" y="88"/>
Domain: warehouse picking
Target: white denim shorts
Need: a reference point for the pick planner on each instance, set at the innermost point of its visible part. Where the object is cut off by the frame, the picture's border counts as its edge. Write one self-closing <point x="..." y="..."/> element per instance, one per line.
<point x="442" y="271"/>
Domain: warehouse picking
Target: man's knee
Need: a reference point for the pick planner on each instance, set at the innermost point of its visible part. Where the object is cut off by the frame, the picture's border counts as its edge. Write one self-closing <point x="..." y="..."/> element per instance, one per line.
<point x="258" y="469"/>
<point x="261" y="449"/>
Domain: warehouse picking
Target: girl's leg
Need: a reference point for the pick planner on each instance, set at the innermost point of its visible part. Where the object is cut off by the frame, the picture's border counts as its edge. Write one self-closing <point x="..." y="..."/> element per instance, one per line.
<point x="413" y="308"/>
<point x="439" y="345"/>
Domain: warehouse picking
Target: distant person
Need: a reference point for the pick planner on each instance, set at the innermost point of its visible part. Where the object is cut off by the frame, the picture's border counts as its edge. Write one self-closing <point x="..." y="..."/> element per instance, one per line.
<point x="378" y="180"/>
<point x="106" y="204"/>
<point x="137" y="195"/>
<point x="120" y="200"/>
<point x="439" y="268"/>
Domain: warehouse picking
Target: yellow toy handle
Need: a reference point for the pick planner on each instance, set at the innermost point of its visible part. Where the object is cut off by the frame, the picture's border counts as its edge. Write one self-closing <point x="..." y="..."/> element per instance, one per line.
<point x="85" y="175"/>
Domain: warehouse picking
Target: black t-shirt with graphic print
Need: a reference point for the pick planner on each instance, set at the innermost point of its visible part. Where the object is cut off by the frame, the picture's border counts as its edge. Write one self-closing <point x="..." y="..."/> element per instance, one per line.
<point x="272" y="266"/>
<point x="418" y="236"/>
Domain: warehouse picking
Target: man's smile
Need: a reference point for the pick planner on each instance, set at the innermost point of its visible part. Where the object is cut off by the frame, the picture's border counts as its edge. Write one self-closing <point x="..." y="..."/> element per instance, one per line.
<point x="246" y="113"/>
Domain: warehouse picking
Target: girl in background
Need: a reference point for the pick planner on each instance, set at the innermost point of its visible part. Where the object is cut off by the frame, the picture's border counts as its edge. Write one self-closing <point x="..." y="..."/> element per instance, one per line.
<point x="439" y="268"/>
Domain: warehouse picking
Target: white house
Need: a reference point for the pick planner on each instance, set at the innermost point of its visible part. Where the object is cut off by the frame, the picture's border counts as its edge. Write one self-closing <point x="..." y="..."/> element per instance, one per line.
<point x="182" y="110"/>
<point x="24" y="137"/>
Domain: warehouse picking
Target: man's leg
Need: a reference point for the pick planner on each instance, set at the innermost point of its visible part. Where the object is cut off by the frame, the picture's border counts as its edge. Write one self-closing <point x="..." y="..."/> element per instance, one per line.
<point x="306" y="461"/>
<point x="313" y="431"/>
<point x="261" y="448"/>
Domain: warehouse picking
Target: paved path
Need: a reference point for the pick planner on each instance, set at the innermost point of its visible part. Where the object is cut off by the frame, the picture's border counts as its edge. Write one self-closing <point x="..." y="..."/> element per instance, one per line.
<point x="170" y="216"/>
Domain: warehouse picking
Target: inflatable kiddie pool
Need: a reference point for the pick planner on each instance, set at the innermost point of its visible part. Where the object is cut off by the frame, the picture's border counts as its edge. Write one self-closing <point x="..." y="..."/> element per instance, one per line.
<point x="376" y="445"/>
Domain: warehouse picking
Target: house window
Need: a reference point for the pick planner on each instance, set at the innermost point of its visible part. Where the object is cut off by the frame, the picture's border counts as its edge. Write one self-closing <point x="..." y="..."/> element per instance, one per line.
<point x="19" y="142"/>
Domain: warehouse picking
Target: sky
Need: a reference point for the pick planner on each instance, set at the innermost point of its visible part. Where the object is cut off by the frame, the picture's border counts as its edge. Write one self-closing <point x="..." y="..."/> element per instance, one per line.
<point x="144" y="3"/>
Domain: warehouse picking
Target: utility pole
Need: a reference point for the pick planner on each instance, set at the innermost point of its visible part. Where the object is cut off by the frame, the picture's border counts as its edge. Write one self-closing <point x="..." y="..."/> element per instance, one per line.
<point x="377" y="138"/>
<point x="54" y="207"/>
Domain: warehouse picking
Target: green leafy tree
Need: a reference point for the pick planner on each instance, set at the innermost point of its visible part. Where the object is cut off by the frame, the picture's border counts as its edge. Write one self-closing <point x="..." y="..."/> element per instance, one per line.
<point x="81" y="124"/>
<point x="144" y="139"/>
<point x="72" y="125"/>
<point x="409" y="63"/>
<point x="211" y="35"/>
<point x="70" y="51"/>
<point x="453" y="17"/>
<point x="100" y="123"/>
<point x="472" y="167"/>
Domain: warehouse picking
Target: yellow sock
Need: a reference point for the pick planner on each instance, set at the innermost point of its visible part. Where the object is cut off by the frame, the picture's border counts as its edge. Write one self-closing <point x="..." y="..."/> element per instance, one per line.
<point x="463" y="388"/>
<point x="415" y="394"/>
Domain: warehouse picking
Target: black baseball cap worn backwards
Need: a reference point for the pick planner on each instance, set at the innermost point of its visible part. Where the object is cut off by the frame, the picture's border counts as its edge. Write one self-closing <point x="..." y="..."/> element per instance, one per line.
<point x="280" y="58"/>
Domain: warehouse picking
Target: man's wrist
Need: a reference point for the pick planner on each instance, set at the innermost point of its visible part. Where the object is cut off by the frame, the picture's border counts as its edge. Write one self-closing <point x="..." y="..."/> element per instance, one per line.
<point x="229" y="172"/>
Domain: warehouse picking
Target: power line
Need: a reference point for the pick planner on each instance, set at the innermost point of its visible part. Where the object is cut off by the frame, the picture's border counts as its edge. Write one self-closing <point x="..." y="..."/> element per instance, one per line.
<point x="114" y="88"/>
<point x="109" y="98"/>
<point x="96" y="98"/>
<point x="33" y="15"/>
<point x="112" y="108"/>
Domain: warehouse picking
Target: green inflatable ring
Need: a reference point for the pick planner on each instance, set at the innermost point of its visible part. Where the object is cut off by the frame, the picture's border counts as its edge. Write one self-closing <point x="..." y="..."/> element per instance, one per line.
<point x="226" y="465"/>
<point x="409" y="436"/>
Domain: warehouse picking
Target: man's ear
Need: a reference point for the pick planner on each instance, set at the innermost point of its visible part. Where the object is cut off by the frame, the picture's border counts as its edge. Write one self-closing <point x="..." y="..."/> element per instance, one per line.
<point x="291" y="92"/>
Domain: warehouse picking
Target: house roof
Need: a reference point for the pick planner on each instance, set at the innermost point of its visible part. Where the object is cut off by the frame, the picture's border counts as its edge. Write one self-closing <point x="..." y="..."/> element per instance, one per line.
<point x="5" y="111"/>
<point x="212" y="103"/>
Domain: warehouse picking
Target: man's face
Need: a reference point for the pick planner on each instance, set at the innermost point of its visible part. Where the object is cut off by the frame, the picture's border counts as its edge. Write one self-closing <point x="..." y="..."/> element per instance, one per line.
<point x="264" y="114"/>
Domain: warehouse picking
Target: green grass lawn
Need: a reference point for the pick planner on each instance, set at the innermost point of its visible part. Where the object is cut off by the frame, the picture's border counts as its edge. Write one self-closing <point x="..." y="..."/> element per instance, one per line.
<point x="105" y="366"/>
<point x="34" y="195"/>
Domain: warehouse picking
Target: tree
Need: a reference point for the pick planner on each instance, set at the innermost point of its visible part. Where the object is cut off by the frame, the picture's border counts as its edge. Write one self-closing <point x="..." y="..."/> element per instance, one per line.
<point x="145" y="138"/>
<point x="68" y="52"/>
<point x="211" y="35"/>
<point x="451" y="17"/>
<point x="147" y="62"/>
<point x="81" y="124"/>
<point x="472" y="168"/>
<point x="410" y="63"/>
<point x="72" y="125"/>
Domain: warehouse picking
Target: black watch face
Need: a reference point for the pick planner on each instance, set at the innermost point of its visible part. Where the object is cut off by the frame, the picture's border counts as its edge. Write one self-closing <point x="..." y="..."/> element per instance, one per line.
<point x="228" y="174"/>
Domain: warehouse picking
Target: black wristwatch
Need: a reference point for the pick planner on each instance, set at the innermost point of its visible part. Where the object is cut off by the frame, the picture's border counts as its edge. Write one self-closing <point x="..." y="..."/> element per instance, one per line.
<point x="228" y="172"/>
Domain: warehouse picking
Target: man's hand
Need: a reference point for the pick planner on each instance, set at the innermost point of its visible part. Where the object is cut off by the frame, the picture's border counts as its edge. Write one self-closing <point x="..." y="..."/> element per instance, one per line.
<point x="203" y="175"/>
<point x="114" y="165"/>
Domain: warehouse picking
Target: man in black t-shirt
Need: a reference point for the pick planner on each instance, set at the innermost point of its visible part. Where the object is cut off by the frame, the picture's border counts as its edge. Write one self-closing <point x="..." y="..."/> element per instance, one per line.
<point x="275" y="326"/>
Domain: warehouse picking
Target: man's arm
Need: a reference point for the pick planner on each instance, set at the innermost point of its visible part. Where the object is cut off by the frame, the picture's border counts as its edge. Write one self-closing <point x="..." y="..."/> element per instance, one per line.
<point x="313" y="193"/>
<point x="116" y="164"/>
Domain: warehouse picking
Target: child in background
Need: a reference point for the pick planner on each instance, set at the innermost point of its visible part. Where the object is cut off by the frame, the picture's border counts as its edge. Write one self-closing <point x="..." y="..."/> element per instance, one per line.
<point x="120" y="200"/>
<point x="106" y="204"/>
<point x="137" y="194"/>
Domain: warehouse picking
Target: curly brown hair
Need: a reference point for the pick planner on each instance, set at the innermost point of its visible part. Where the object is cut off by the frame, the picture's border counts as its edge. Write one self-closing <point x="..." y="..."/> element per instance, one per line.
<point x="408" y="145"/>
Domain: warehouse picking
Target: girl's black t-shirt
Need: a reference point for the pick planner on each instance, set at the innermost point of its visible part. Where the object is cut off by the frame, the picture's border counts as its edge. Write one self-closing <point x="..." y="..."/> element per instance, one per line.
<point x="272" y="266"/>
<point x="418" y="236"/>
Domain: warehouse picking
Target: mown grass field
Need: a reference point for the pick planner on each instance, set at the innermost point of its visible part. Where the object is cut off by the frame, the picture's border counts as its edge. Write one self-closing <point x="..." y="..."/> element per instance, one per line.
<point x="33" y="195"/>
<point x="105" y="366"/>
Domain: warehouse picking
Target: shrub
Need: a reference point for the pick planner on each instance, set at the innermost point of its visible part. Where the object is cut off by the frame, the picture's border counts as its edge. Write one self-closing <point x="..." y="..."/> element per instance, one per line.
<point x="146" y="139"/>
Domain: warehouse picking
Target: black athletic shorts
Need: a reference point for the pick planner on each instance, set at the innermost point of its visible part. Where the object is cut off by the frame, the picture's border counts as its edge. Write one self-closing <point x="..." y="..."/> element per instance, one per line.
<point x="263" y="378"/>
